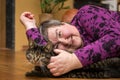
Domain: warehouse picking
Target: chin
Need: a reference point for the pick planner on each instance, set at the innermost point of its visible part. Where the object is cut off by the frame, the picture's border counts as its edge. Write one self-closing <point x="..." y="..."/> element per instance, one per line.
<point x="71" y="50"/>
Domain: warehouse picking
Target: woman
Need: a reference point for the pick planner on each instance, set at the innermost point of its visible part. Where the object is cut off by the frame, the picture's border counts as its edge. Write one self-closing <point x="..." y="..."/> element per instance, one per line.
<point x="93" y="35"/>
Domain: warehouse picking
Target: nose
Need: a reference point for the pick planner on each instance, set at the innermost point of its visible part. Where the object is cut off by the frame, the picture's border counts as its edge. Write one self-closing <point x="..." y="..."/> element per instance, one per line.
<point x="63" y="41"/>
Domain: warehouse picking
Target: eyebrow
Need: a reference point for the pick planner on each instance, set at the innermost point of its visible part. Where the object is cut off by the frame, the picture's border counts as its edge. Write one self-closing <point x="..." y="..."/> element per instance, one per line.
<point x="56" y="36"/>
<point x="56" y="33"/>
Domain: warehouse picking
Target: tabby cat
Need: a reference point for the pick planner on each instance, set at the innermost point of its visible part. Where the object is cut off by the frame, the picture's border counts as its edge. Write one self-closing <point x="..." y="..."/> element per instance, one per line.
<point x="40" y="55"/>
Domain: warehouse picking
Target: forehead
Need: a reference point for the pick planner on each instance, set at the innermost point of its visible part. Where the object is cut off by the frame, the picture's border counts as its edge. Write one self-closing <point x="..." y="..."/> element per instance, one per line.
<point x="52" y="35"/>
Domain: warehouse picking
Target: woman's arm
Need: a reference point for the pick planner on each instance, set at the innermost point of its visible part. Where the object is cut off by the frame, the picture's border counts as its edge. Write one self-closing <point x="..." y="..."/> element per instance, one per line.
<point x="99" y="50"/>
<point x="32" y="32"/>
<point x="105" y="32"/>
<point x="35" y="35"/>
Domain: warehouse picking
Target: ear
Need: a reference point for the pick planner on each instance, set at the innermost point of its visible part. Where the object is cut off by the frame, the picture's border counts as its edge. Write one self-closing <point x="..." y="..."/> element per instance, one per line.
<point x="31" y="43"/>
<point x="48" y="48"/>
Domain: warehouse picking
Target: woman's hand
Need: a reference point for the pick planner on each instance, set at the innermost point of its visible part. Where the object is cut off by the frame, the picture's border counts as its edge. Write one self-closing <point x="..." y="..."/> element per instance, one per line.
<point x="27" y="19"/>
<point x="63" y="62"/>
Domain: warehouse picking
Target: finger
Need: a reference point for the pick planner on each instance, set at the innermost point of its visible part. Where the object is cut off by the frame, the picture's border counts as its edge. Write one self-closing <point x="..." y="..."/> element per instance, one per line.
<point x="24" y="13"/>
<point x="29" y="15"/>
<point x="50" y="66"/>
<point x="58" y="51"/>
<point x="56" y="74"/>
<point x="52" y="59"/>
<point x="53" y="70"/>
<point x="32" y="16"/>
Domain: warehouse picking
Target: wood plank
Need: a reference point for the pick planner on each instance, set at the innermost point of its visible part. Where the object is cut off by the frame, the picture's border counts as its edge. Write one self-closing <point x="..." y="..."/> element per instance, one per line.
<point x="13" y="66"/>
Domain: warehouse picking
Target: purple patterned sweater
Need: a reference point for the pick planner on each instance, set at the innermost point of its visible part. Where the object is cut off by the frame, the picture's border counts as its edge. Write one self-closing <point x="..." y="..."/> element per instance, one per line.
<point x="100" y="31"/>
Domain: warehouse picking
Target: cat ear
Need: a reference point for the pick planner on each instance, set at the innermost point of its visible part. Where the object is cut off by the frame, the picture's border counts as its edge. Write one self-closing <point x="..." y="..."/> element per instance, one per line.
<point x="48" y="48"/>
<point x="31" y="43"/>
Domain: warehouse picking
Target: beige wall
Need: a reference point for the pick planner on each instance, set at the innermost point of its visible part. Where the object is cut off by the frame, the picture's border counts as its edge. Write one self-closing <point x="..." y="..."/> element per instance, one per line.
<point x="34" y="7"/>
<point x="59" y="14"/>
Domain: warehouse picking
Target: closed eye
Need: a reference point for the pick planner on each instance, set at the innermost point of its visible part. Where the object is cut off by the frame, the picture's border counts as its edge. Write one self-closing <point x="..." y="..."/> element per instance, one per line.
<point x="60" y="34"/>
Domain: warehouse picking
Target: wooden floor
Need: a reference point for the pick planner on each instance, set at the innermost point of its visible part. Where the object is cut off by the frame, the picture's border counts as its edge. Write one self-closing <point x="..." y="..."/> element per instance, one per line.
<point x="13" y="66"/>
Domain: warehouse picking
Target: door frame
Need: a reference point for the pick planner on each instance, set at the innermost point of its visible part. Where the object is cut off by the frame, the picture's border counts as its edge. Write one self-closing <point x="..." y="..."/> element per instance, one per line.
<point x="2" y="23"/>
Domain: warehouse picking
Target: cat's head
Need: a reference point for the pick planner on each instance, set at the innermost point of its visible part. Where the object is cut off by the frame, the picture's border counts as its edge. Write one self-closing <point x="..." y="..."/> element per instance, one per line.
<point x="39" y="55"/>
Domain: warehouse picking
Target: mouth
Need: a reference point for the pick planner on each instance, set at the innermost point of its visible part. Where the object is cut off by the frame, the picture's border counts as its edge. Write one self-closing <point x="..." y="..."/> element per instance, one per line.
<point x="70" y="42"/>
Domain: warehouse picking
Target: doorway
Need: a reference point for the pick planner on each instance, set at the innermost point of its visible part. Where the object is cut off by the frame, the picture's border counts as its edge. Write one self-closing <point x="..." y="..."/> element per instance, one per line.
<point x="2" y="23"/>
<point x="10" y="25"/>
<point x="7" y="8"/>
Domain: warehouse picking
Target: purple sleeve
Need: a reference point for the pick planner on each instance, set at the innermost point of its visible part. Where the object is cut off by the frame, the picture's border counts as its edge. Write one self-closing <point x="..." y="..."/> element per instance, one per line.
<point x="35" y="35"/>
<point x="116" y="16"/>
<point x="105" y="32"/>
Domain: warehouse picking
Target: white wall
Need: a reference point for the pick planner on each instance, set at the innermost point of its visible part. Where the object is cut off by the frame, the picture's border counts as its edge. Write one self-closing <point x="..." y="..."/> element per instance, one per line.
<point x="112" y="4"/>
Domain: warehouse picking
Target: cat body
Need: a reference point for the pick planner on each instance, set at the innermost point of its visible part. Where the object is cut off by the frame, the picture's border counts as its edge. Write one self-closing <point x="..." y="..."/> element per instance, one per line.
<point x="40" y="55"/>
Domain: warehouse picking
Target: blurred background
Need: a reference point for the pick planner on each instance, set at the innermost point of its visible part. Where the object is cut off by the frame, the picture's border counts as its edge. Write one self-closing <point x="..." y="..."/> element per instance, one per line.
<point x="12" y="32"/>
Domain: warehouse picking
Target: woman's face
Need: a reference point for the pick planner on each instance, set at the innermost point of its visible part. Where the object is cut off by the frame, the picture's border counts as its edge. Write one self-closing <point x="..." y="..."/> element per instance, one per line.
<point x="65" y="37"/>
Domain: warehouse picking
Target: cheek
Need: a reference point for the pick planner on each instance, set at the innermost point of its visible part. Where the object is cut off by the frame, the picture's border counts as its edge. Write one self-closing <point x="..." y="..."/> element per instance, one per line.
<point x="70" y="31"/>
<point x="51" y="36"/>
<point x="61" y="47"/>
<point x="67" y="33"/>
